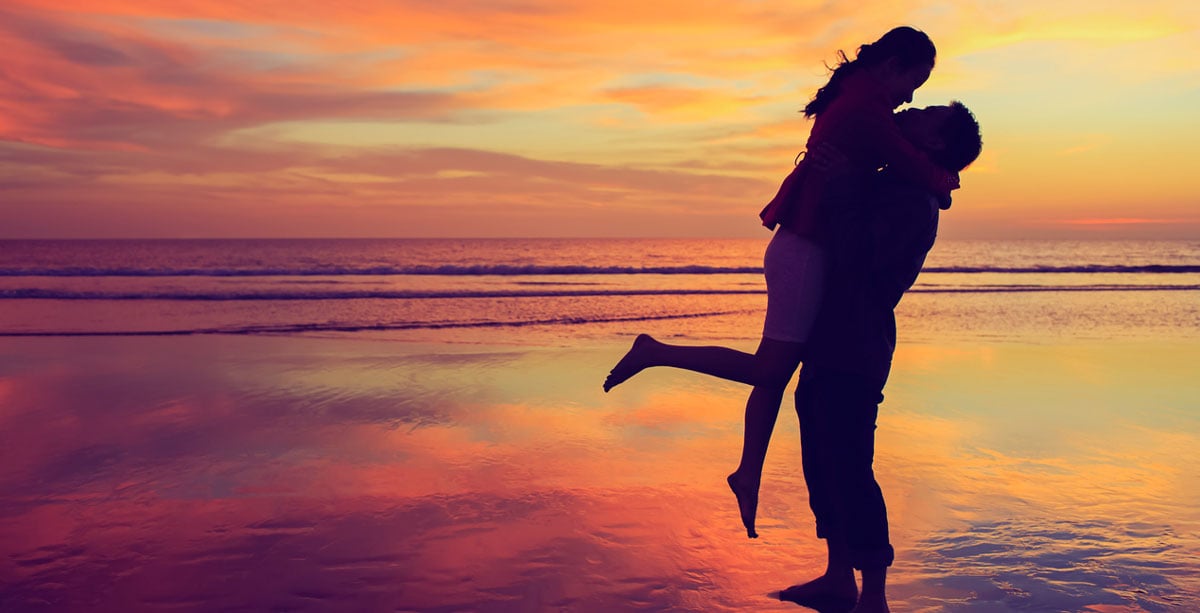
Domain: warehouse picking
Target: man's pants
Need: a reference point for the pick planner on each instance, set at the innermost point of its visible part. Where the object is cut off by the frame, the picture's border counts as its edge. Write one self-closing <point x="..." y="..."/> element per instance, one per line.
<point x="837" y="414"/>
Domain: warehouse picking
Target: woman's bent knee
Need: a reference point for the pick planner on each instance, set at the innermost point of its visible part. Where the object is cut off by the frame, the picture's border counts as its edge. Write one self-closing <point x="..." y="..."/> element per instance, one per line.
<point x="776" y="362"/>
<point x="777" y="380"/>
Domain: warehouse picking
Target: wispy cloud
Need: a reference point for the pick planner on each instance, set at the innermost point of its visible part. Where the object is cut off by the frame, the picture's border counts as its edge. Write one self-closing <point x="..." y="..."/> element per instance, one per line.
<point x="1124" y="221"/>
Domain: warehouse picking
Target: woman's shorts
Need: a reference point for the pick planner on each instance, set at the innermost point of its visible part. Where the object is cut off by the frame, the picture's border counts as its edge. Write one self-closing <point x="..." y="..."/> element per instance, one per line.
<point x="795" y="271"/>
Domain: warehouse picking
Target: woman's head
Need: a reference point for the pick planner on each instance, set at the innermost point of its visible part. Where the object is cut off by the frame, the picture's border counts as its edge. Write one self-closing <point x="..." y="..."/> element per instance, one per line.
<point x="900" y="83"/>
<point x="901" y="59"/>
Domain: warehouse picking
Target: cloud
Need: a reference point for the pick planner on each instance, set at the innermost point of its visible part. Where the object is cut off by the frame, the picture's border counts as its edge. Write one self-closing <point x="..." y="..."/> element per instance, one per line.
<point x="1123" y="221"/>
<point x="91" y="88"/>
<point x="620" y="105"/>
<point x="379" y="192"/>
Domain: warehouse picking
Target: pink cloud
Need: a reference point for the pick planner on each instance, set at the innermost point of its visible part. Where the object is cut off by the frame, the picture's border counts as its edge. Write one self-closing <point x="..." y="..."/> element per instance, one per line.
<point x="95" y="88"/>
<point x="1122" y="221"/>
<point x="410" y="191"/>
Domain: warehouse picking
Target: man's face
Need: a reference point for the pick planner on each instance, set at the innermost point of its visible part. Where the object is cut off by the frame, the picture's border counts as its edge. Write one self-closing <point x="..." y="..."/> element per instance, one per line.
<point x="923" y="126"/>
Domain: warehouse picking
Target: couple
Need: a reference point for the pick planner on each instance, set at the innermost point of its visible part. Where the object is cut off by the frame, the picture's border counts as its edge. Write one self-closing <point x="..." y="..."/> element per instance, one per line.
<point x="851" y="240"/>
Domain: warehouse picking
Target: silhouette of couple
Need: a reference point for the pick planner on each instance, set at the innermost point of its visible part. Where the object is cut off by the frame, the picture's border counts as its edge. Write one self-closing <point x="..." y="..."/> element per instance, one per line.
<point x="853" y="223"/>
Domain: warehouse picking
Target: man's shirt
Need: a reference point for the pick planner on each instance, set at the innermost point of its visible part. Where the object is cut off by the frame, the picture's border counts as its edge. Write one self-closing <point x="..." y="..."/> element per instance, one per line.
<point x="877" y="248"/>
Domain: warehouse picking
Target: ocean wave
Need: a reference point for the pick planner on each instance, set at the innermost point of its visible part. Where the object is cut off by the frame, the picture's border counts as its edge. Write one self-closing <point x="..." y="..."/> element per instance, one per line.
<point x="1084" y="269"/>
<point x="505" y="270"/>
<point x="55" y="294"/>
<point x="509" y="270"/>
<point x="365" y="327"/>
<point x="317" y="294"/>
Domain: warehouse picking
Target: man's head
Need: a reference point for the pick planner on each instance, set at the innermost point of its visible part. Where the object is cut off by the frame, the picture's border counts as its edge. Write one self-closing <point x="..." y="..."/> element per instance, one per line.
<point x="948" y="134"/>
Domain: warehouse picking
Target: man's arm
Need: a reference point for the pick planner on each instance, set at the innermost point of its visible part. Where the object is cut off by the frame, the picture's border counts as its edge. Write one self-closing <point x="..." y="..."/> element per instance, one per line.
<point x="902" y="227"/>
<point x="874" y="132"/>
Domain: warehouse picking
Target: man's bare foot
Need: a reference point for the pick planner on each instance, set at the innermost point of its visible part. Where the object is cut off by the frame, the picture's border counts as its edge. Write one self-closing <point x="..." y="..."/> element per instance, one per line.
<point x="747" y="501"/>
<point x="633" y="362"/>
<point x="825" y="593"/>
<point x="869" y="604"/>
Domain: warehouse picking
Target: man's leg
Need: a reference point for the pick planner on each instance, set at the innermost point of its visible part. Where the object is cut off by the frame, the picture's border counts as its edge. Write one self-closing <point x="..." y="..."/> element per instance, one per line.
<point x="874" y="592"/>
<point x="854" y="401"/>
<point x="835" y="588"/>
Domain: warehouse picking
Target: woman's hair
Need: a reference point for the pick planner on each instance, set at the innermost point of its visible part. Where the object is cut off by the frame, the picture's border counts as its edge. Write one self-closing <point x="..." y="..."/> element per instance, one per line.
<point x="909" y="46"/>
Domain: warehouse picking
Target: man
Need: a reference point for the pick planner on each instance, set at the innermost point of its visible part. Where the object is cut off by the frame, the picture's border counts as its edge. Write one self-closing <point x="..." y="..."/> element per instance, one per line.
<point x="877" y="250"/>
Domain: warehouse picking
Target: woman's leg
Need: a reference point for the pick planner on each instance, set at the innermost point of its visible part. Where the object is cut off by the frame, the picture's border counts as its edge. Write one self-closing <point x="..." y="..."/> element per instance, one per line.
<point x="771" y="366"/>
<point x="794" y="270"/>
<point x="779" y="359"/>
<point x="795" y="273"/>
<point x="768" y="369"/>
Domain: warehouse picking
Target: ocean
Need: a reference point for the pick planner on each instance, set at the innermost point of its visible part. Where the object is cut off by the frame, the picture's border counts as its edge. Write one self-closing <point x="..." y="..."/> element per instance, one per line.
<point x="564" y="287"/>
<point x="419" y="425"/>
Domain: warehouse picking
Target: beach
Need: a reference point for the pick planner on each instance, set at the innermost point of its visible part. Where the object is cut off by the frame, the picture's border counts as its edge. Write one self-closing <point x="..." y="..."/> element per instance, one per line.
<point x="1045" y="457"/>
<point x="339" y="474"/>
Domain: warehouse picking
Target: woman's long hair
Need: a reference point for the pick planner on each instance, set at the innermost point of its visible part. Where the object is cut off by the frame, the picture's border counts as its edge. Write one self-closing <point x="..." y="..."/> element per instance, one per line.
<point x="909" y="46"/>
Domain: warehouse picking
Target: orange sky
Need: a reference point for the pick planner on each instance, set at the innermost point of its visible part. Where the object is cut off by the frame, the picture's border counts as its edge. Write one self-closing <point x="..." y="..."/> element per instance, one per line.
<point x="198" y="118"/>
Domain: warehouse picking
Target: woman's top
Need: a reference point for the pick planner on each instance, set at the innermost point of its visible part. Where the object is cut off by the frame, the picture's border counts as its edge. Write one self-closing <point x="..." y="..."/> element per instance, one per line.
<point x="858" y="123"/>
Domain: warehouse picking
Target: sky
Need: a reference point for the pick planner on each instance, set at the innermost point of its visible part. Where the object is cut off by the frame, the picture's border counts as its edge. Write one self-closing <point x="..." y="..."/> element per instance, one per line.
<point x="529" y="118"/>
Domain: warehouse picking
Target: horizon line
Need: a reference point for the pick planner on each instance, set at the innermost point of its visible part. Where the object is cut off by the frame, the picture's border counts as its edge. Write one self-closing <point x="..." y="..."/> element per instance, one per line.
<point x="1081" y="236"/>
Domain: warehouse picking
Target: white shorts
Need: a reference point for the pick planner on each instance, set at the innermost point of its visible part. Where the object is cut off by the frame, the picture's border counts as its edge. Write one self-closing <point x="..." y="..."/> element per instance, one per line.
<point x="795" y="271"/>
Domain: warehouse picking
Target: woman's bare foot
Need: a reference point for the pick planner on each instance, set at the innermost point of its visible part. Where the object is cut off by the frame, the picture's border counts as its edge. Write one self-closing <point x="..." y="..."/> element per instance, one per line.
<point x="747" y="501"/>
<point x="825" y="593"/>
<point x="634" y="361"/>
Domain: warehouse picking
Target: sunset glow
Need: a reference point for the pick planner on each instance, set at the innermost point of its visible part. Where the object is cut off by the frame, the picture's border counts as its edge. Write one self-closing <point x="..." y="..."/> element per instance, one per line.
<point x="146" y="118"/>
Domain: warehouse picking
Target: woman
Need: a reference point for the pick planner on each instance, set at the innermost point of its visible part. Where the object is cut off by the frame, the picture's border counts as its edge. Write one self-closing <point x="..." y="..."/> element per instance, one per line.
<point x="853" y="116"/>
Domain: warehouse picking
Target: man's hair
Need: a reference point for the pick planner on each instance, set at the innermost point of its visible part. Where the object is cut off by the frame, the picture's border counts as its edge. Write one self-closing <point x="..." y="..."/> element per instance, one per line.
<point x="962" y="139"/>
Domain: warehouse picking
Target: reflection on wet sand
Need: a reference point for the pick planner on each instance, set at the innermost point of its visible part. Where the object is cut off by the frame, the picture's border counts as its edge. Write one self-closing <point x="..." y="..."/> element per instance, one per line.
<point x="315" y="474"/>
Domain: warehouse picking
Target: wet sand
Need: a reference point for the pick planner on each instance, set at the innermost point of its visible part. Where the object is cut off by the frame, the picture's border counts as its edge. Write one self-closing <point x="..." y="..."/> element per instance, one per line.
<point x="362" y="473"/>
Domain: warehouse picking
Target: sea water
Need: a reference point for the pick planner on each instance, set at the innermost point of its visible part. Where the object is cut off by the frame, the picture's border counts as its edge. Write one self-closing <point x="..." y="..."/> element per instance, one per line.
<point x="418" y="425"/>
<point x="565" y="287"/>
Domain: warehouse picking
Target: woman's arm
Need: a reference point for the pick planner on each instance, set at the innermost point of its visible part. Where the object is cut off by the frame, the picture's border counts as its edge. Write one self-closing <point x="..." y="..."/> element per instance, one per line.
<point x="883" y="138"/>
